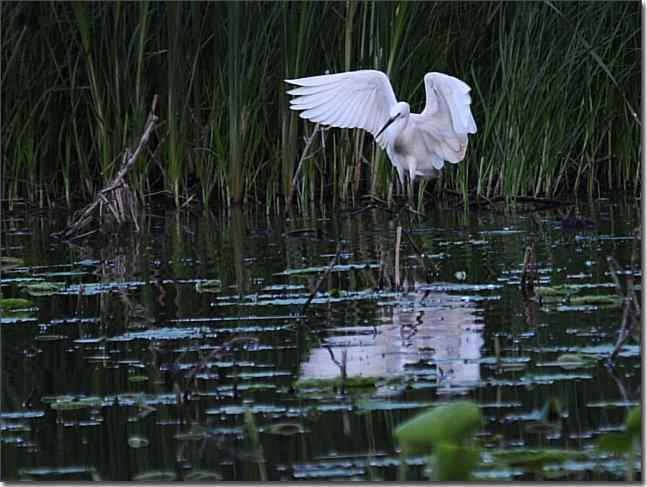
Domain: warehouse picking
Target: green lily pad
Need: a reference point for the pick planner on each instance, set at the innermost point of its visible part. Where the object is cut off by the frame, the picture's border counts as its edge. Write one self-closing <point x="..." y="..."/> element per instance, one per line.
<point x="356" y="382"/>
<point x="68" y="403"/>
<point x="135" y="379"/>
<point x="202" y="475"/>
<point x="162" y="475"/>
<point x="597" y="299"/>
<point x="138" y="442"/>
<point x="556" y="291"/>
<point x="209" y="286"/>
<point x="8" y="304"/>
<point x="8" y="263"/>
<point x="536" y="459"/>
<point x="43" y="288"/>
<point x="574" y="361"/>
<point x="285" y="429"/>
<point x="452" y="424"/>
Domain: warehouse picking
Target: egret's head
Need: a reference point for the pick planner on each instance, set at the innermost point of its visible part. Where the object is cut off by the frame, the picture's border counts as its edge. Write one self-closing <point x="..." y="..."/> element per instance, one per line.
<point x="400" y="110"/>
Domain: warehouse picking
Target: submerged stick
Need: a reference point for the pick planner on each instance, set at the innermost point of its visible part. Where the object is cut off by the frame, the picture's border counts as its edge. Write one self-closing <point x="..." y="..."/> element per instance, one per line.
<point x="321" y="279"/>
<point x="528" y="274"/>
<point x="398" y="240"/>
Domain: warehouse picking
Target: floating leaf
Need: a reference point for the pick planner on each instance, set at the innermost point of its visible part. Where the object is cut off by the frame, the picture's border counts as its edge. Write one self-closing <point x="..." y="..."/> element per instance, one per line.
<point x="597" y="299"/>
<point x="137" y="379"/>
<point x="562" y="290"/>
<point x="284" y="429"/>
<point x="8" y="263"/>
<point x="155" y="475"/>
<point x="449" y="424"/>
<point x="138" y="442"/>
<point x="68" y="403"/>
<point x="615" y="442"/>
<point x="209" y="286"/>
<point x="15" y="303"/>
<point x="536" y="459"/>
<point x="574" y="361"/>
<point x="43" y="288"/>
<point x="355" y="382"/>
<point x="201" y="475"/>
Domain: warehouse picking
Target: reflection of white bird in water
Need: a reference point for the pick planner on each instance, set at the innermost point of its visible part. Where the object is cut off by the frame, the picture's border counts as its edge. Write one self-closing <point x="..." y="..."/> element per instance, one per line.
<point x="417" y="143"/>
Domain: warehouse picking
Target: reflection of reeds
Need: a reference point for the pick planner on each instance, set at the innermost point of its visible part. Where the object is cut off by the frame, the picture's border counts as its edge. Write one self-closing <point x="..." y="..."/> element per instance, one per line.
<point x="555" y="95"/>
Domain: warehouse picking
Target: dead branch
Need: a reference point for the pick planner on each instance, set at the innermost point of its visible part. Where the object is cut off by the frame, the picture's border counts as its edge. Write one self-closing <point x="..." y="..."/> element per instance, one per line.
<point x="322" y="278"/>
<point x="116" y="196"/>
<point x="528" y="274"/>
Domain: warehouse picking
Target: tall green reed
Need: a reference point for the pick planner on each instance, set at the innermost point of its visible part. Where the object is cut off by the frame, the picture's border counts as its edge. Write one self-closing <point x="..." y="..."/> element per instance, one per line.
<point x="555" y="95"/>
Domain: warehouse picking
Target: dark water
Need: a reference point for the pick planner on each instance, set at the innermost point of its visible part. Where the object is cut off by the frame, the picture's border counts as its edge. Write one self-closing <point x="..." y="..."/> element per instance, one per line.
<point x="134" y="366"/>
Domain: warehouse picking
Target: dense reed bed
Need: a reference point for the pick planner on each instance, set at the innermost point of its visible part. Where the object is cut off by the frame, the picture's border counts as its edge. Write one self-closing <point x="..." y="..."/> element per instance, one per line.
<point x="556" y="95"/>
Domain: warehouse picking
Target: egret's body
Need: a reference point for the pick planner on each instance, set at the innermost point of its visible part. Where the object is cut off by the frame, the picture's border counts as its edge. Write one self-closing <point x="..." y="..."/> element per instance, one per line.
<point x="418" y="144"/>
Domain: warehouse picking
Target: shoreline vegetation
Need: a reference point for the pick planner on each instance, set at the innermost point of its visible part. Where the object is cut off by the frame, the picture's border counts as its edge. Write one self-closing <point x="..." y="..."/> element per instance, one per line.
<point x="555" y="93"/>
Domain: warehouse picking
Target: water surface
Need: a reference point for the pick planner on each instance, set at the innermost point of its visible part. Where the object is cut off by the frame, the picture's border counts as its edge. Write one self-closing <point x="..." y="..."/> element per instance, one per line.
<point x="142" y="362"/>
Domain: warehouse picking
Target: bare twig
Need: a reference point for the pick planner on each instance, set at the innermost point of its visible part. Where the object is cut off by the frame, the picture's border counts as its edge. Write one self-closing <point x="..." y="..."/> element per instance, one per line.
<point x="322" y="278"/>
<point x="528" y="274"/>
<point x="398" y="239"/>
<point x="303" y="158"/>
<point x="116" y="196"/>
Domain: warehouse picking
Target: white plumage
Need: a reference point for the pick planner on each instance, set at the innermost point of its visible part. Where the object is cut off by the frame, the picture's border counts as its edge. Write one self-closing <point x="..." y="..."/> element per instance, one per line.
<point x="418" y="144"/>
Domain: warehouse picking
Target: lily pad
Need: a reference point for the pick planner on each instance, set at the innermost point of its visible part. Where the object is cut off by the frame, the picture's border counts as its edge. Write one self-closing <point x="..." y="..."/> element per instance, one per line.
<point x="597" y="299"/>
<point x="284" y="429"/>
<point x="452" y="424"/>
<point x="556" y="291"/>
<point x="138" y="442"/>
<point x="356" y="382"/>
<point x="202" y="475"/>
<point x="43" y="288"/>
<point x="162" y="475"/>
<point x="571" y="361"/>
<point x="67" y="403"/>
<point x="536" y="459"/>
<point x="209" y="286"/>
<point x="8" y="304"/>
<point x="8" y="263"/>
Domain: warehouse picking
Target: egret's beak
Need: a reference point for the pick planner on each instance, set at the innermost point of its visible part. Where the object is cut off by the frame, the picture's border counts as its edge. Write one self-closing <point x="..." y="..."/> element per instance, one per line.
<point x="388" y="122"/>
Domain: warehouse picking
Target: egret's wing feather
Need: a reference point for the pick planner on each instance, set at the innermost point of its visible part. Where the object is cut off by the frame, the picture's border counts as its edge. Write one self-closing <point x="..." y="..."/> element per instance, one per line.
<point x="361" y="99"/>
<point x="446" y="120"/>
<point x="448" y="105"/>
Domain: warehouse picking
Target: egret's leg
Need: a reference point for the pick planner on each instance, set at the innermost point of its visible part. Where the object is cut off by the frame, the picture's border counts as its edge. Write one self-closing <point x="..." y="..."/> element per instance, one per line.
<point x="412" y="177"/>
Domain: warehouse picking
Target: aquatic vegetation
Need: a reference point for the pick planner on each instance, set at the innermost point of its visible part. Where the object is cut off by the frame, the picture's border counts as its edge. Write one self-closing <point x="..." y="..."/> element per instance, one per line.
<point x="563" y="121"/>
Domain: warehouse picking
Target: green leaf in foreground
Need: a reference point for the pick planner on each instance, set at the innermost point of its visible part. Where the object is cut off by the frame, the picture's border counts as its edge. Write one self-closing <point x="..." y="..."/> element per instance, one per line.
<point x="452" y="462"/>
<point x="615" y="442"/>
<point x="633" y="422"/>
<point x="450" y="424"/>
<point x="15" y="303"/>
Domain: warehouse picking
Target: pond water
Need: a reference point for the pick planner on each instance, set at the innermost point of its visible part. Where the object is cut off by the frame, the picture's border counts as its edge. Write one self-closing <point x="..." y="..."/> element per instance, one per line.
<point x="188" y="351"/>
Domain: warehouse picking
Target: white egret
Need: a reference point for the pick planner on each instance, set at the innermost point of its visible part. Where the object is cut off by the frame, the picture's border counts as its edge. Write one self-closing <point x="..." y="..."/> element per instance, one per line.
<point x="418" y="144"/>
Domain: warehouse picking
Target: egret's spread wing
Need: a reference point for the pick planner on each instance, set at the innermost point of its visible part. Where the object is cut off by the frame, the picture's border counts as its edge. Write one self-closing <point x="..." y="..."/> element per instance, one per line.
<point x="360" y="99"/>
<point x="447" y="118"/>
